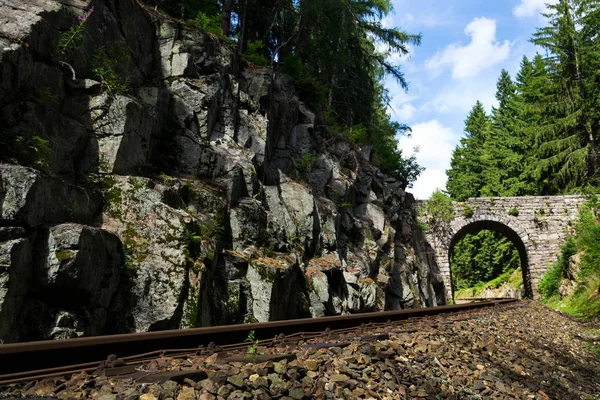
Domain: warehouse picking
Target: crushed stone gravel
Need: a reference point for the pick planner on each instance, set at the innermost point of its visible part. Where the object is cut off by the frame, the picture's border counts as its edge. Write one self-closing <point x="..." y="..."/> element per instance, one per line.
<point x="528" y="352"/>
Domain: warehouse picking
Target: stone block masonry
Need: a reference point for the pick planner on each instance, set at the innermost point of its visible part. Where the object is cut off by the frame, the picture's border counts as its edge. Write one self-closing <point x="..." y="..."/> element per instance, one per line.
<point x="537" y="225"/>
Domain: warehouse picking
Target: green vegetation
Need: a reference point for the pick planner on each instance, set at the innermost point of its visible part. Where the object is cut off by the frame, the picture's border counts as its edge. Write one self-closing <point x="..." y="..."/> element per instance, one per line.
<point x="357" y="134"/>
<point x="191" y="311"/>
<point x="511" y="279"/>
<point x="71" y="39"/>
<point x="113" y="196"/>
<point x="253" y="348"/>
<point x="336" y="51"/>
<point x="550" y="284"/>
<point x="437" y="212"/>
<point x="209" y="23"/>
<point x="584" y="301"/>
<point x="201" y="239"/>
<point x="479" y="258"/>
<point x="468" y="211"/>
<point x="33" y="151"/>
<point x="110" y="67"/>
<point x="253" y="53"/>
<point x="304" y="165"/>
<point x="514" y="212"/>
<point x="47" y="96"/>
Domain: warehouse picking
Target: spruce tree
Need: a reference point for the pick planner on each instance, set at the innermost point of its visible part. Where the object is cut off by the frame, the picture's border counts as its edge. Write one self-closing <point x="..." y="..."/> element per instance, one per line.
<point x="505" y="150"/>
<point x="465" y="176"/>
<point x="533" y="83"/>
<point x="567" y="142"/>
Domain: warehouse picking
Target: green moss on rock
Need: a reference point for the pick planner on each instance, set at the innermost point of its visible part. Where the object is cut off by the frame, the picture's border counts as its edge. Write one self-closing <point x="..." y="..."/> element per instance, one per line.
<point x="64" y="255"/>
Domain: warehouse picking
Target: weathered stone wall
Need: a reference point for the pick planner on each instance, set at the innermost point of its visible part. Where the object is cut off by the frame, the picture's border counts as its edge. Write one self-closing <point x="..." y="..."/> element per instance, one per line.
<point x="202" y="195"/>
<point x="539" y="225"/>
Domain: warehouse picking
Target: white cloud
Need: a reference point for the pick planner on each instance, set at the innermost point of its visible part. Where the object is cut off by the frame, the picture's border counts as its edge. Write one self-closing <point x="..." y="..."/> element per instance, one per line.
<point x="401" y="107"/>
<point x="396" y="58"/>
<point x="405" y="113"/>
<point x="462" y="97"/>
<point x="530" y="8"/>
<point x="436" y="143"/>
<point x="429" y="181"/>
<point x="388" y="21"/>
<point x="424" y="20"/>
<point x="482" y="52"/>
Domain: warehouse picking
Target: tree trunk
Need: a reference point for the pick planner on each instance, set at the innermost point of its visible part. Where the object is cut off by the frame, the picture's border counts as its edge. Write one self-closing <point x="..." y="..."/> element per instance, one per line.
<point x="241" y="43"/>
<point x="226" y="17"/>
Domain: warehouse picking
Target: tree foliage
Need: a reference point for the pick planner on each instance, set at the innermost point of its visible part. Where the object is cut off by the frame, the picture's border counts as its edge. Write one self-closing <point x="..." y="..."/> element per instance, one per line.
<point x="465" y="177"/>
<point x="337" y="51"/>
<point x="482" y="257"/>
<point x="541" y="138"/>
<point x="438" y="211"/>
<point x="567" y="137"/>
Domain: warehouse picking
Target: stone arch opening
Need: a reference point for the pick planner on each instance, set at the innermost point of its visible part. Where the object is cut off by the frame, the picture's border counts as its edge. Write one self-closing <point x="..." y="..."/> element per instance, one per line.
<point x="514" y="237"/>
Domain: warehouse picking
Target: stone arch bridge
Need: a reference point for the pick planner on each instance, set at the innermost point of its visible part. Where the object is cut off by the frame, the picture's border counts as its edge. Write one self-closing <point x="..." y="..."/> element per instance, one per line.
<point x="537" y="225"/>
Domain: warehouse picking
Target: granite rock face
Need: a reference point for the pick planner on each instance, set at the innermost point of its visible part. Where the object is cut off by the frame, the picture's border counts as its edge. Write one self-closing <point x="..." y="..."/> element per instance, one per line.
<point x="57" y="270"/>
<point x="30" y="197"/>
<point x="203" y="193"/>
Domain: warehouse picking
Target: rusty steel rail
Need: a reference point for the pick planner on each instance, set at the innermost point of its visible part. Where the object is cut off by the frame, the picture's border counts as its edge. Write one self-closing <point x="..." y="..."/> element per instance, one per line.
<point x="54" y="357"/>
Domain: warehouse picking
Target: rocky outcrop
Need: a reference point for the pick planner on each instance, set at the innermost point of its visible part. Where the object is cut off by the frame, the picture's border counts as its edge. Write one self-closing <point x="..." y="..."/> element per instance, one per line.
<point x="53" y="271"/>
<point x="201" y="194"/>
<point x="32" y="198"/>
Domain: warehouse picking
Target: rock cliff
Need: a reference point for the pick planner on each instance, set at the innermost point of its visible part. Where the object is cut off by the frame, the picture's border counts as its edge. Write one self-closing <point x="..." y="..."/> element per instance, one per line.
<point x="149" y="182"/>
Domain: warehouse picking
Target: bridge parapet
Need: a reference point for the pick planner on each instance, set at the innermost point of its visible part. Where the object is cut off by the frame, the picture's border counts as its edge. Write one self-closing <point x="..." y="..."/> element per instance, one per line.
<point x="538" y="225"/>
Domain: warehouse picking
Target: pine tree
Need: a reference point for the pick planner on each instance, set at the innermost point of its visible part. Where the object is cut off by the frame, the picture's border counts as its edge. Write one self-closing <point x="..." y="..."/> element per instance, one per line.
<point x="505" y="150"/>
<point x="567" y="142"/>
<point x="465" y="176"/>
<point x="533" y="83"/>
<point x="336" y="43"/>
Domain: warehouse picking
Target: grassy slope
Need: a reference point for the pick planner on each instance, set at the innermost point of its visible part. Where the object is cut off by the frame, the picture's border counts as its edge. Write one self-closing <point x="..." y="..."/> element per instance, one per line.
<point x="510" y="279"/>
<point x="584" y="302"/>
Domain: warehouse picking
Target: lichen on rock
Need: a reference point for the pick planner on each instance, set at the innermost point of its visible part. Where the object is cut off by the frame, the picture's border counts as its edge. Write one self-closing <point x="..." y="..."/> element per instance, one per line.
<point x="203" y="194"/>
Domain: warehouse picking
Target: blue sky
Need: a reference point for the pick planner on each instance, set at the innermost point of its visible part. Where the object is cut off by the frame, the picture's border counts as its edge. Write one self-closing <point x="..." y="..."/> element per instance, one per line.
<point x="465" y="45"/>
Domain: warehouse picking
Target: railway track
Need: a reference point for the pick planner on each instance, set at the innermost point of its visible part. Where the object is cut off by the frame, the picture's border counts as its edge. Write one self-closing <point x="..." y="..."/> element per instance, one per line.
<point x="122" y="355"/>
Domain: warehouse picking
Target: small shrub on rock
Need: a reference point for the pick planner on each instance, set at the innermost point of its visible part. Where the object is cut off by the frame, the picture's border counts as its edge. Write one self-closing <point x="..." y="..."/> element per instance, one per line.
<point x="468" y="211"/>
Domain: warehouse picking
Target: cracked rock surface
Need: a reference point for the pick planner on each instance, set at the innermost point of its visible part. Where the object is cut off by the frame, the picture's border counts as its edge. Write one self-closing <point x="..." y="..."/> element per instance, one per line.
<point x="205" y="193"/>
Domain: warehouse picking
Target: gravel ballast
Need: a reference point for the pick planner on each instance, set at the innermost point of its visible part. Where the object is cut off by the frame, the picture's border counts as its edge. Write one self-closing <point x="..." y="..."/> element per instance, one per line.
<point x="528" y="352"/>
